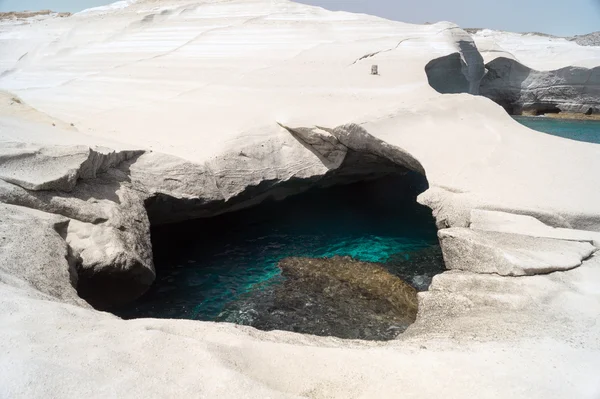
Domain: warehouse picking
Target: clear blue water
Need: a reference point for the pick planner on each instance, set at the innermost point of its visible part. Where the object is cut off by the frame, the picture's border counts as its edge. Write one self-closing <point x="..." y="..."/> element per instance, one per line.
<point x="580" y="130"/>
<point x="205" y="266"/>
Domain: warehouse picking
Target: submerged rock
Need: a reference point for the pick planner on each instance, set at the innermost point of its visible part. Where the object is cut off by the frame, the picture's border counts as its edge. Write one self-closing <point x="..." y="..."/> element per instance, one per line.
<point x="337" y="296"/>
<point x="417" y="267"/>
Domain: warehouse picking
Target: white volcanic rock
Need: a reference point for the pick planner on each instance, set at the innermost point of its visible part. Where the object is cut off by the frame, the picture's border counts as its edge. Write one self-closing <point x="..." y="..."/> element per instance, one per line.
<point x="537" y="51"/>
<point x="208" y="63"/>
<point x="241" y="100"/>
<point x="34" y="256"/>
<point x="534" y="72"/>
<point x="591" y="39"/>
<point x="520" y="89"/>
<point x="509" y="254"/>
<point x="214" y="108"/>
<point x="530" y="337"/>
<point x="523" y="224"/>
<point x="55" y="168"/>
<point x="117" y="5"/>
<point x="36" y="168"/>
<point x="108" y="231"/>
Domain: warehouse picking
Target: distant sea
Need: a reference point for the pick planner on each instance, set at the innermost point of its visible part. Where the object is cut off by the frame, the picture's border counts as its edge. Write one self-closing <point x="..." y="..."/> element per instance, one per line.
<point x="580" y="130"/>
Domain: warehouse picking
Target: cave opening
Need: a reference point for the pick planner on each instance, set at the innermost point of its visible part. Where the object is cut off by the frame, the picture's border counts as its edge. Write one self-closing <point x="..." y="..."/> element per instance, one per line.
<point x="540" y="109"/>
<point x="344" y="260"/>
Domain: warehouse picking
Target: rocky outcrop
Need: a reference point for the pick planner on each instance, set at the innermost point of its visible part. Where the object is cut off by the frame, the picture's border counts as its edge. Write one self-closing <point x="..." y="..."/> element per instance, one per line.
<point x="37" y="168"/>
<point x="105" y="224"/>
<point x="109" y="197"/>
<point x="178" y="190"/>
<point x="591" y="39"/>
<point x="535" y="73"/>
<point x="370" y="279"/>
<point x="525" y="224"/>
<point x="459" y="72"/>
<point x="509" y="254"/>
<point x="34" y="256"/>
<point x="520" y="89"/>
<point x="20" y="15"/>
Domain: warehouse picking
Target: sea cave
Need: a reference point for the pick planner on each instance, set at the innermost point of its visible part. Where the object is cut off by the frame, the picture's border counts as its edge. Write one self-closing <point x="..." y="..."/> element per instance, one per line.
<point x="344" y="260"/>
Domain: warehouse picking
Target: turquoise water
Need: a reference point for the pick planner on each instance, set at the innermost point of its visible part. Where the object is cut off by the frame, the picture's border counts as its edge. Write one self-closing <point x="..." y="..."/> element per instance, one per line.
<point x="580" y="130"/>
<point x="205" y="266"/>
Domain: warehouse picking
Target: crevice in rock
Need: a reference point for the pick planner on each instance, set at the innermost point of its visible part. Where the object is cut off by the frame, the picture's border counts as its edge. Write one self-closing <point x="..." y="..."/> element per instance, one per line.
<point x="381" y="51"/>
<point x="73" y="260"/>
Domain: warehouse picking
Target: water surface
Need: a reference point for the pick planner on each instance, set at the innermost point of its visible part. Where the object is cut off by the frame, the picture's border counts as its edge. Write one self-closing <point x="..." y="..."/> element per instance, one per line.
<point x="580" y="130"/>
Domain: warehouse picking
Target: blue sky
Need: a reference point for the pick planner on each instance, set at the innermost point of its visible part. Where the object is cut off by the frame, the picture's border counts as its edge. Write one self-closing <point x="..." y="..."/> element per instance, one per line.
<point x="559" y="17"/>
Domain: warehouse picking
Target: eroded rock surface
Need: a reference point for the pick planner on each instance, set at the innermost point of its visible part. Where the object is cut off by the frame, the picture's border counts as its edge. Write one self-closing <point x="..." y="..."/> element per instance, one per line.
<point x="106" y="227"/>
<point x="534" y="73"/>
<point x="36" y="167"/>
<point x="460" y="72"/>
<point x="528" y="225"/>
<point x="209" y="100"/>
<point x="509" y="254"/>
<point x="34" y="256"/>
<point x="520" y="89"/>
<point x="591" y="39"/>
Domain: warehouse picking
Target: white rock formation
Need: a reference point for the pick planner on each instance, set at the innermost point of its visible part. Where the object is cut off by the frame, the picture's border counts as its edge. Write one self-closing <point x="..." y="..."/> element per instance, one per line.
<point x="521" y="224"/>
<point x="539" y="73"/>
<point x="537" y="51"/>
<point x="509" y="254"/>
<point x="520" y="89"/>
<point x="234" y="101"/>
<point x="591" y="39"/>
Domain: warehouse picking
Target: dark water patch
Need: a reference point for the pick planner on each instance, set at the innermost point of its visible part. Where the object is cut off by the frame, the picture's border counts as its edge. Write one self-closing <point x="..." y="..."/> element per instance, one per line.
<point x="225" y="268"/>
<point x="580" y="130"/>
<point x="337" y="296"/>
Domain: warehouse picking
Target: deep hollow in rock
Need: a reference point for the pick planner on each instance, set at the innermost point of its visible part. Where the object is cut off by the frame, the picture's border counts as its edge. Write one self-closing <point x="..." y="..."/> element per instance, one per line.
<point x="235" y="267"/>
<point x="538" y="109"/>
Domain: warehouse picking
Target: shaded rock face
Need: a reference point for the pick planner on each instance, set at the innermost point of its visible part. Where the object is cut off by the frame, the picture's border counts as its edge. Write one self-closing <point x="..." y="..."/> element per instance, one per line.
<point x="458" y="72"/>
<point x="522" y="90"/>
<point x="180" y="191"/>
<point x="106" y="231"/>
<point x="591" y="39"/>
<point x="337" y="296"/>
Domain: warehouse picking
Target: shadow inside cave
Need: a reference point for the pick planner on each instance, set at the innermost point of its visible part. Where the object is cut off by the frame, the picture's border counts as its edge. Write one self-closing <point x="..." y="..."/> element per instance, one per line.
<point x="228" y="267"/>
